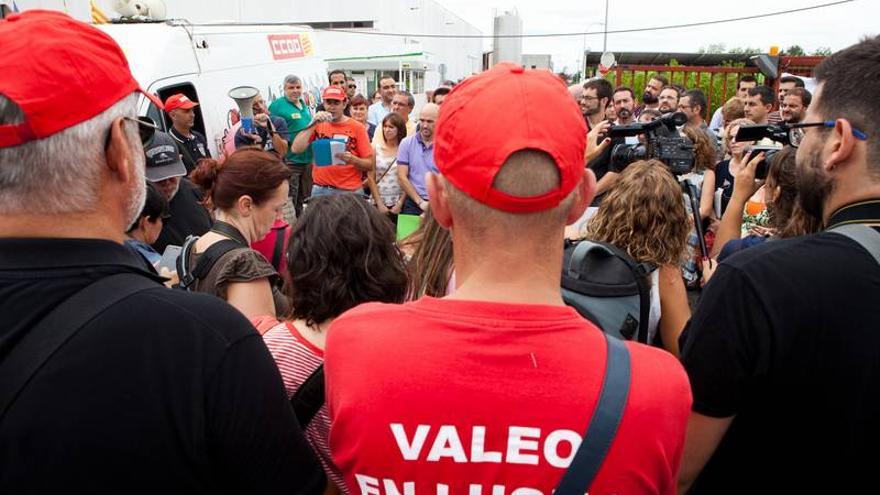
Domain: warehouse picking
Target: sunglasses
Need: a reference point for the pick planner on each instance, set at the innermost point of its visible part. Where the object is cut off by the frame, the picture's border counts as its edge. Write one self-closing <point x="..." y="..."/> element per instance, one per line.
<point x="796" y="134"/>
<point x="352" y="86"/>
<point x="146" y="129"/>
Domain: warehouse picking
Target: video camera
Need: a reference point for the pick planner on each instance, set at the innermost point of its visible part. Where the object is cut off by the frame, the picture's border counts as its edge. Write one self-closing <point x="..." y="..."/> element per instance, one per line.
<point x="662" y="142"/>
<point x="780" y="133"/>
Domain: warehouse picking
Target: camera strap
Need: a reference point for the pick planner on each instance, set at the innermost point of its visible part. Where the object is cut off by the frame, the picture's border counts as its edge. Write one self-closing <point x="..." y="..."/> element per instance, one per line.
<point x="865" y="236"/>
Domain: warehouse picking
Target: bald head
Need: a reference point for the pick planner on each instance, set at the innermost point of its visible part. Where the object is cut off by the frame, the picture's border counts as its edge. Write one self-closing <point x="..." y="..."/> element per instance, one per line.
<point x="427" y="119"/>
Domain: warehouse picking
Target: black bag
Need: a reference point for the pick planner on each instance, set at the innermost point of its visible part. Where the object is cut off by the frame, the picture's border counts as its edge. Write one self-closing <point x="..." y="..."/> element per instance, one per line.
<point x="606" y="286"/>
<point x="309" y="398"/>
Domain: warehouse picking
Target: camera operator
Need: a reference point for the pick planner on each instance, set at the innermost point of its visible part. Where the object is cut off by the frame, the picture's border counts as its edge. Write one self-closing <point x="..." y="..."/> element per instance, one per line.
<point x="782" y="351"/>
<point x="597" y="96"/>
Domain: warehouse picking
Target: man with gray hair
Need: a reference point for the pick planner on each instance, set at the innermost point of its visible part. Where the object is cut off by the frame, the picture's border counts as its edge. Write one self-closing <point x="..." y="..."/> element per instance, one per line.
<point x="297" y="115"/>
<point x="402" y="103"/>
<point x="110" y="381"/>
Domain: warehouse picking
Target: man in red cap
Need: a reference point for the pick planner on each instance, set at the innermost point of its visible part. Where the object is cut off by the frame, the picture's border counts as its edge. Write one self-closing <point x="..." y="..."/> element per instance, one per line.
<point x="357" y="157"/>
<point x="490" y="390"/>
<point x="192" y="144"/>
<point x="109" y="381"/>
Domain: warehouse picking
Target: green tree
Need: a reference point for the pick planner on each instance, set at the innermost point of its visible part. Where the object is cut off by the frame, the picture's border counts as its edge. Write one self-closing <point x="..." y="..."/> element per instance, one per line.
<point x="823" y="51"/>
<point x="794" y="51"/>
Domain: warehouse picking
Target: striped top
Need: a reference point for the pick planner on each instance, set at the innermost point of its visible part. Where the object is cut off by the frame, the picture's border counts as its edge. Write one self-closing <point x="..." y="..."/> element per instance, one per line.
<point x="297" y="359"/>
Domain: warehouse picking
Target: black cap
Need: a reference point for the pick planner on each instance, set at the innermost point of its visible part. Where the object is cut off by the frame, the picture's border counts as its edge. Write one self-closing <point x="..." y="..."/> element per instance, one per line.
<point x="163" y="158"/>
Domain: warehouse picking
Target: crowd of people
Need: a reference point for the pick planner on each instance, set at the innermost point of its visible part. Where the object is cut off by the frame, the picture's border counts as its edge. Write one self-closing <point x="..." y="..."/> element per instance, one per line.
<point x="296" y="345"/>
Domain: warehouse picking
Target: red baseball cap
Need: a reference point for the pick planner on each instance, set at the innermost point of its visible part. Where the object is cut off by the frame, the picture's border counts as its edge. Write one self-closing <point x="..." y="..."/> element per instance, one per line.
<point x="507" y="109"/>
<point x="333" y="93"/>
<point x="179" y="100"/>
<point x="62" y="73"/>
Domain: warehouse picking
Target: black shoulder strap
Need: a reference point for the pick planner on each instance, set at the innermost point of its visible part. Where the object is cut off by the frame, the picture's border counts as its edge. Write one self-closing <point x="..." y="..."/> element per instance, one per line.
<point x="309" y="397"/>
<point x="207" y="260"/>
<point x="579" y="476"/>
<point x="41" y="342"/>
<point x="278" y="252"/>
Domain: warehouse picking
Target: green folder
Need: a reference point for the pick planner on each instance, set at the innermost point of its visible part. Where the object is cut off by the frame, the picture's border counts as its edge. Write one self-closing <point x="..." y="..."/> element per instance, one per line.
<point x="406" y="225"/>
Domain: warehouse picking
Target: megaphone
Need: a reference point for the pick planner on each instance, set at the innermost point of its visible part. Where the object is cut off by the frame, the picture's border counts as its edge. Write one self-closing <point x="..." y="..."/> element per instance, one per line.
<point x="244" y="97"/>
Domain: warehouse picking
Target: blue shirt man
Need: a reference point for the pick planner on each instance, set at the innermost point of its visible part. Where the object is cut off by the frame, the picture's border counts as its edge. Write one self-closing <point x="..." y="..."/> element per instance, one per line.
<point x="415" y="158"/>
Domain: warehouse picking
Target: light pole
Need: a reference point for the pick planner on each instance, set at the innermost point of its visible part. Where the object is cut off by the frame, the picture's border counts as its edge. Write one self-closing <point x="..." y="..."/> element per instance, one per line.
<point x="584" y="49"/>
<point x="605" y="35"/>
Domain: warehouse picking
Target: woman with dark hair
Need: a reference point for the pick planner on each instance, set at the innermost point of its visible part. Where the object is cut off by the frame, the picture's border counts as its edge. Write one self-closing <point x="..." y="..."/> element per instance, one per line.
<point x="358" y="108"/>
<point x="145" y="230"/>
<point x="644" y="215"/>
<point x="786" y="218"/>
<point x="342" y="253"/>
<point x="247" y="193"/>
<point x="385" y="189"/>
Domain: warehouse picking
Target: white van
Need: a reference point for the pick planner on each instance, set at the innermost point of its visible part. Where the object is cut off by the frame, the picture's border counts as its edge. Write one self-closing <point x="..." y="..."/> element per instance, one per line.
<point x="205" y="62"/>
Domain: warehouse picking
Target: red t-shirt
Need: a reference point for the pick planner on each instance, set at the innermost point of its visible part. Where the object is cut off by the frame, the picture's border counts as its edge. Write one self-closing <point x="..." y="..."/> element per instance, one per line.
<point x="447" y="397"/>
<point x="357" y="142"/>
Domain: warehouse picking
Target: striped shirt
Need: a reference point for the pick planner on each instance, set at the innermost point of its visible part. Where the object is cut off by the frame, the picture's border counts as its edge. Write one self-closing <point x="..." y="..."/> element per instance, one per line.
<point x="297" y="359"/>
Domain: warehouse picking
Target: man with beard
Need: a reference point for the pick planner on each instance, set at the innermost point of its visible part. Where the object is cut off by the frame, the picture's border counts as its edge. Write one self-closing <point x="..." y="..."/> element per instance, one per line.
<point x="693" y="104"/>
<point x="186" y="214"/>
<point x="624" y="103"/>
<point x="782" y="351"/>
<point x="597" y="95"/>
<point x="102" y="366"/>
<point x="668" y="99"/>
<point x="651" y="97"/>
<point x="794" y="106"/>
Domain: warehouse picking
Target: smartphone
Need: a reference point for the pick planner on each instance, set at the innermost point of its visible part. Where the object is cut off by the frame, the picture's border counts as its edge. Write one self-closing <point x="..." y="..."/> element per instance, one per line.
<point x="764" y="165"/>
<point x="169" y="258"/>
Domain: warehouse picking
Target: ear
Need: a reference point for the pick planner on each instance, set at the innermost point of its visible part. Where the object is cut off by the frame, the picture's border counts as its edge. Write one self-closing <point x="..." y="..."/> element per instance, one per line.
<point x="120" y="158"/>
<point x="439" y="200"/>
<point x="842" y="143"/>
<point x="586" y="190"/>
<point x="245" y="205"/>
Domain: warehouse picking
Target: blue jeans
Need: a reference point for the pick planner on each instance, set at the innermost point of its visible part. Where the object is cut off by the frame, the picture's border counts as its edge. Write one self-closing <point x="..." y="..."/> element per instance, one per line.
<point x="410" y="207"/>
<point x="319" y="190"/>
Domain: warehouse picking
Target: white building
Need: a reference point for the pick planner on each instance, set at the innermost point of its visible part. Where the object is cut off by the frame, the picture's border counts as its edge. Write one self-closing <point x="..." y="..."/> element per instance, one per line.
<point x="535" y="61"/>
<point x="418" y="63"/>
<point x="508" y="40"/>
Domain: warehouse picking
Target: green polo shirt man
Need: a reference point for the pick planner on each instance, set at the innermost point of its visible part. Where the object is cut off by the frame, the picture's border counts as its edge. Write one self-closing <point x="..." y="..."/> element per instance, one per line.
<point x="296" y="113"/>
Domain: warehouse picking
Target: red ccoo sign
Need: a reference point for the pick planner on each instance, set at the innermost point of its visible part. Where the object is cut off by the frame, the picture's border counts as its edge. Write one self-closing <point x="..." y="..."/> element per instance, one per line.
<point x="286" y="46"/>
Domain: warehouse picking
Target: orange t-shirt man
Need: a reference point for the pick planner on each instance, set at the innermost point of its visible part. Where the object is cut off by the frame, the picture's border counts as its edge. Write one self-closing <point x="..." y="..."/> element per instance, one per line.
<point x="357" y="142"/>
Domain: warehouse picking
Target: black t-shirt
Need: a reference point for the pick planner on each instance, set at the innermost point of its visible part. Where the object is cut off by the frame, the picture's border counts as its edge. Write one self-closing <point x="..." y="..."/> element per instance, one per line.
<point x="187" y="217"/>
<point x="724" y="181"/>
<point x="192" y="149"/>
<point x="786" y="338"/>
<point x="164" y="392"/>
<point x="601" y="165"/>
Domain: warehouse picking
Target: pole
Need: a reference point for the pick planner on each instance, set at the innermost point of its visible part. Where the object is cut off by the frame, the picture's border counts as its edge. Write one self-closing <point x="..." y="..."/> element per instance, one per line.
<point x="605" y="34"/>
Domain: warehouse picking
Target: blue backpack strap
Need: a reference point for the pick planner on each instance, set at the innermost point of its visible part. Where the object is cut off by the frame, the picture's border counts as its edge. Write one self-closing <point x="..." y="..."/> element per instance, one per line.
<point x="866" y="236"/>
<point x="579" y="476"/>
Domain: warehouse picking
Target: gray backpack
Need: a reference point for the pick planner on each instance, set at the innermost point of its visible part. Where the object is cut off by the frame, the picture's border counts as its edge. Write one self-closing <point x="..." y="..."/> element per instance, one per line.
<point x="606" y="286"/>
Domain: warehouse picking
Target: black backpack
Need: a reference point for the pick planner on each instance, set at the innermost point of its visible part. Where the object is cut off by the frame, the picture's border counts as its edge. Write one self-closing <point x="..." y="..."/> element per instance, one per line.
<point x="606" y="286"/>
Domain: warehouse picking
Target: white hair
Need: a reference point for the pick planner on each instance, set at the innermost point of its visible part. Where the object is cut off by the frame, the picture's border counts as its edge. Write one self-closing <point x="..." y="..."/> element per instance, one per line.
<point x="62" y="173"/>
<point x="292" y="79"/>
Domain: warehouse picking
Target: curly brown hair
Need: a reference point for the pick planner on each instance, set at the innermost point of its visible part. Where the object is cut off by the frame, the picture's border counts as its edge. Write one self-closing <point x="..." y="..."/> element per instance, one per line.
<point x="704" y="150"/>
<point x="342" y="253"/>
<point x="644" y="215"/>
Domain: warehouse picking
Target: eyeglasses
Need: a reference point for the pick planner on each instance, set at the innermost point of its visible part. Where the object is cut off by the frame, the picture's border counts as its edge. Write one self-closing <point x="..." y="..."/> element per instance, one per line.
<point x="796" y="133"/>
<point x="589" y="98"/>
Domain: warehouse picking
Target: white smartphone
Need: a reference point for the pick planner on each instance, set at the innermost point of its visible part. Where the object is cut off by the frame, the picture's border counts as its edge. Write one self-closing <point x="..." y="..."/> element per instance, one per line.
<point x="169" y="258"/>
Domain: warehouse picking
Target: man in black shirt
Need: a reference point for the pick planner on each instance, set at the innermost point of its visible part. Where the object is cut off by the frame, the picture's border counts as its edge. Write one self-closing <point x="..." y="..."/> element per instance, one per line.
<point x="192" y="144"/>
<point x="783" y="352"/>
<point x="186" y="214"/>
<point x="161" y="391"/>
